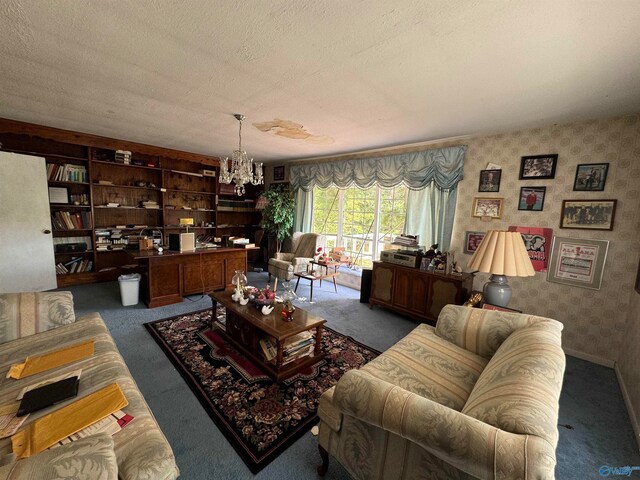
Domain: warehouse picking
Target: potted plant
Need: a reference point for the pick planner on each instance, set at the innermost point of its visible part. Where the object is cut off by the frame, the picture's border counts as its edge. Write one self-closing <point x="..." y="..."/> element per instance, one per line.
<point x="277" y="215"/>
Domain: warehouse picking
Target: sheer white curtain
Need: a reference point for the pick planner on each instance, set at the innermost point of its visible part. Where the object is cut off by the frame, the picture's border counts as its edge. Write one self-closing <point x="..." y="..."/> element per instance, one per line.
<point x="432" y="175"/>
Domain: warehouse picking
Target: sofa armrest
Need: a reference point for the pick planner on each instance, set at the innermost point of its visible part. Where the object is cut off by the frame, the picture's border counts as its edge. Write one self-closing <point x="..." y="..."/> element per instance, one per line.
<point x="470" y="445"/>
<point x="483" y="331"/>
<point x="24" y="314"/>
<point x="91" y="458"/>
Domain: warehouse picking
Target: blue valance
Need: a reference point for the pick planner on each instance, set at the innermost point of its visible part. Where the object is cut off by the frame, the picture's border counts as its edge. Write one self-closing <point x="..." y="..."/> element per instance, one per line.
<point x="416" y="170"/>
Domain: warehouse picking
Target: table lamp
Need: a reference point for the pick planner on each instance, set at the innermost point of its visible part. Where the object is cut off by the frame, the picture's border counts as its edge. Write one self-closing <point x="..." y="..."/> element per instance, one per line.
<point x="502" y="254"/>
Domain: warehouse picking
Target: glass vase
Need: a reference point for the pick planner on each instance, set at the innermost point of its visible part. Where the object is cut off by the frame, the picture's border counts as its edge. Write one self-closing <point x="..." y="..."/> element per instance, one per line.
<point x="287" y="302"/>
<point x="239" y="280"/>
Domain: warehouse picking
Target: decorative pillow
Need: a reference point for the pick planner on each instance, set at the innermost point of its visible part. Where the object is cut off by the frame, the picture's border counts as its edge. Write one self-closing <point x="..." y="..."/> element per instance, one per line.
<point x="23" y="314"/>
<point x="91" y="458"/>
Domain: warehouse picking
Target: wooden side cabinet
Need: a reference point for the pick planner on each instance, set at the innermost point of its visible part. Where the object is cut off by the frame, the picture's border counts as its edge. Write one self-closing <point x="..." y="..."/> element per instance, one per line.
<point x="416" y="293"/>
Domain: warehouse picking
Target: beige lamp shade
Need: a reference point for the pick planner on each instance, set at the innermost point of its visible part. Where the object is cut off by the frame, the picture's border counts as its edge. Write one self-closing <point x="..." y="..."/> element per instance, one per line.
<point x="502" y="253"/>
<point x="186" y="221"/>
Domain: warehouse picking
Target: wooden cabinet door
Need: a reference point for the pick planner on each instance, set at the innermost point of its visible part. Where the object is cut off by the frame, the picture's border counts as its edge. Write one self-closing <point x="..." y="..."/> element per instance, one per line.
<point x="235" y="261"/>
<point x="443" y="292"/>
<point x="411" y="290"/>
<point x="382" y="282"/>
<point x="213" y="272"/>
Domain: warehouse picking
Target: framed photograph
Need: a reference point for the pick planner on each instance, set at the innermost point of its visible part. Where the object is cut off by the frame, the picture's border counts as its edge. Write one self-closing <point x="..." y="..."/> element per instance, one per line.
<point x="532" y="198"/>
<point x="487" y="207"/>
<point x="489" y="180"/>
<point x="490" y="306"/>
<point x="590" y="177"/>
<point x="537" y="167"/>
<point x="472" y="241"/>
<point x="58" y="195"/>
<point x="577" y="262"/>
<point x="278" y="173"/>
<point x="588" y="214"/>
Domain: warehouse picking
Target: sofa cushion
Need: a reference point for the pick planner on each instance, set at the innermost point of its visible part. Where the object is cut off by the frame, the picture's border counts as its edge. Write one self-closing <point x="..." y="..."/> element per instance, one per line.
<point x="482" y="331"/>
<point x="91" y="458"/>
<point x="429" y="366"/>
<point x="23" y="314"/>
<point x="519" y="389"/>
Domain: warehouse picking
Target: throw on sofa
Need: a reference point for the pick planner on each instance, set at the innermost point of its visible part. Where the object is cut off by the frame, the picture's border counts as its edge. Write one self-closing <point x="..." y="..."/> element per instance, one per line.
<point x="137" y="452"/>
<point x="474" y="397"/>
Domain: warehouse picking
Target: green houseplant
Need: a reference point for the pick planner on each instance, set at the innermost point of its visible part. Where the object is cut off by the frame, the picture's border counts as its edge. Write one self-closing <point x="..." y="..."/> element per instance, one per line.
<point x="277" y="216"/>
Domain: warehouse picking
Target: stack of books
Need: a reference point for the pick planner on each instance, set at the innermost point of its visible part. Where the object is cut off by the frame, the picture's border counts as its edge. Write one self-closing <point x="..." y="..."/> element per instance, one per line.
<point x="123" y="156"/>
<point x="150" y="204"/>
<point x="406" y="241"/>
<point x="295" y="347"/>
<point x="67" y="173"/>
<point x="75" y="265"/>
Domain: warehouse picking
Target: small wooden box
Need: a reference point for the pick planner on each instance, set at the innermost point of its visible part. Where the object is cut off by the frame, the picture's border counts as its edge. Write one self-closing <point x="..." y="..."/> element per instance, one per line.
<point x="146" y="244"/>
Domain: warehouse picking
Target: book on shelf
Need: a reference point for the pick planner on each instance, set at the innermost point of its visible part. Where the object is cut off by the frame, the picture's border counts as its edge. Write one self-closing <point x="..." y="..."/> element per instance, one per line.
<point x="76" y="265"/>
<point x="269" y="348"/>
<point x="65" y="220"/>
<point x="67" y="173"/>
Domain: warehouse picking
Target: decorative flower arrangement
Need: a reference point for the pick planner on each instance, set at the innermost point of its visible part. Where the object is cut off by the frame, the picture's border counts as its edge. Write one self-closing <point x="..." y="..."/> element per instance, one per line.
<point x="261" y="297"/>
<point x="321" y="256"/>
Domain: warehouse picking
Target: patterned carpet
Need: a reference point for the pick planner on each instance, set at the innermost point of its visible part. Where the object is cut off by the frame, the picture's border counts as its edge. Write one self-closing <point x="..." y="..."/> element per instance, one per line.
<point x="259" y="417"/>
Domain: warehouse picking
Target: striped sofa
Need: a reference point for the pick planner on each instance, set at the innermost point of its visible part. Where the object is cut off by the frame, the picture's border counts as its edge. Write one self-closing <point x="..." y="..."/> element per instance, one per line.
<point x="474" y="397"/>
<point x="139" y="451"/>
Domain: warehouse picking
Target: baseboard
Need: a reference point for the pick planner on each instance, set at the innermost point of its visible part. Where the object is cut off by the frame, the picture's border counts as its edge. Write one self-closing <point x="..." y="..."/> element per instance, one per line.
<point x="589" y="358"/>
<point x="633" y="415"/>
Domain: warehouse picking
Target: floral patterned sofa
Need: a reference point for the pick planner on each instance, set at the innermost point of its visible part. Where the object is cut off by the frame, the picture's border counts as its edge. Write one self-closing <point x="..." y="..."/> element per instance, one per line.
<point x="474" y="397"/>
<point x="36" y="323"/>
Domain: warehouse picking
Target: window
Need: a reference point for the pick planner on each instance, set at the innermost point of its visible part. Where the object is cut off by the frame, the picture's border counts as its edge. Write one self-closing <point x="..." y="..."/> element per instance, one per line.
<point x="363" y="221"/>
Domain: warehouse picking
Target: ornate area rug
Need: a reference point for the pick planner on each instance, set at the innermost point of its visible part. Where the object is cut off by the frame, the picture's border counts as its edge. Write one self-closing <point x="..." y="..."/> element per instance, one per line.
<point x="259" y="417"/>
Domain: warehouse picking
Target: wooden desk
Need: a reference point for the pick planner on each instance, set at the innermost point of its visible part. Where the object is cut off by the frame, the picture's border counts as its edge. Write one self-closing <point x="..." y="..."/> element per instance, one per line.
<point x="169" y="276"/>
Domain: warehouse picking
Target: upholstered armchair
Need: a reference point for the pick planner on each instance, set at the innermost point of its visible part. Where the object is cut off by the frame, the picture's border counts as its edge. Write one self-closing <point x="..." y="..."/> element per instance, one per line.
<point x="303" y="248"/>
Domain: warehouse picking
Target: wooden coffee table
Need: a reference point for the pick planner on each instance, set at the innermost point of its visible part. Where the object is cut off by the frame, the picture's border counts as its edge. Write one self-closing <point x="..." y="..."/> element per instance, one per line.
<point x="324" y="270"/>
<point x="245" y="326"/>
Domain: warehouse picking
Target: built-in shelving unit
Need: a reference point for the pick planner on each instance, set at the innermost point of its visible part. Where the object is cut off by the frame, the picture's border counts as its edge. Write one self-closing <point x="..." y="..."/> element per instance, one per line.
<point x="109" y="204"/>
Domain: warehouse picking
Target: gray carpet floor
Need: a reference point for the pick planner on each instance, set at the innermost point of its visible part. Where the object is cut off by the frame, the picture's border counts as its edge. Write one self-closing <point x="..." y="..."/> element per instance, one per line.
<point x="597" y="429"/>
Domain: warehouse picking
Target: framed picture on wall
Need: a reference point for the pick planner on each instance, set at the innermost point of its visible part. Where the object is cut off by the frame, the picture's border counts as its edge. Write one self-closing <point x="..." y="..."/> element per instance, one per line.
<point x="532" y="198"/>
<point x="472" y="241"/>
<point x="487" y="207"/>
<point x="577" y="262"/>
<point x="489" y="180"/>
<point x="278" y="173"/>
<point x="538" y="167"/>
<point x="588" y="214"/>
<point x="590" y="177"/>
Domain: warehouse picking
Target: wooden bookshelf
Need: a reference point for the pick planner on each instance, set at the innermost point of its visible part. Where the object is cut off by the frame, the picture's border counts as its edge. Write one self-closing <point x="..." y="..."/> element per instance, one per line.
<point x="168" y="177"/>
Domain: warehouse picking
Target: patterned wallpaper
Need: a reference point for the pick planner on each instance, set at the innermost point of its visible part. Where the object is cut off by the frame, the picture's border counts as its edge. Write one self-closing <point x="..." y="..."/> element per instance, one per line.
<point x="594" y="320"/>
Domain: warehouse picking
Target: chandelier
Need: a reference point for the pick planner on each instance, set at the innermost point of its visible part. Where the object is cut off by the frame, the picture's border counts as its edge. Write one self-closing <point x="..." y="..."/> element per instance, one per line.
<point x="241" y="170"/>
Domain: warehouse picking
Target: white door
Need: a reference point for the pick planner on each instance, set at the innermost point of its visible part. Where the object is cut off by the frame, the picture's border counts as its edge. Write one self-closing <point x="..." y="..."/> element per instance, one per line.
<point x="26" y="245"/>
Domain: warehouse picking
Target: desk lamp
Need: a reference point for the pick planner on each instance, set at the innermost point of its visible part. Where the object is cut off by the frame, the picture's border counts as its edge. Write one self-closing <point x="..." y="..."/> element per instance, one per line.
<point x="502" y="254"/>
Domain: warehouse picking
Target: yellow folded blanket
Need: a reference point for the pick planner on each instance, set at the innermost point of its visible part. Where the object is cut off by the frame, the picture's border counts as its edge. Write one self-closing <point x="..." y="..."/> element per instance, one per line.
<point x="50" y="429"/>
<point x="33" y="365"/>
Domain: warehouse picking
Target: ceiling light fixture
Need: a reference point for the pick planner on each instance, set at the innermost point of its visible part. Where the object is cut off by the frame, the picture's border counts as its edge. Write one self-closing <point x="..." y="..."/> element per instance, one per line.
<point x="241" y="170"/>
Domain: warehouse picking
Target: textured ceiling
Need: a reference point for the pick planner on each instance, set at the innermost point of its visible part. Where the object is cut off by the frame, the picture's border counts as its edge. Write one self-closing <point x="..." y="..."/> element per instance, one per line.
<point x="356" y="74"/>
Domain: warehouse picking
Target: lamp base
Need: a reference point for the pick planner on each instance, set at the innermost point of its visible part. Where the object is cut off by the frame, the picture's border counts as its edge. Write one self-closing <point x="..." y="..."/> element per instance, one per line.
<point x="497" y="291"/>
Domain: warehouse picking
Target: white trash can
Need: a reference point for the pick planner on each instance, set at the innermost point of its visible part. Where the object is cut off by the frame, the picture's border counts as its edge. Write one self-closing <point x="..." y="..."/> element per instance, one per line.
<point x="129" y="288"/>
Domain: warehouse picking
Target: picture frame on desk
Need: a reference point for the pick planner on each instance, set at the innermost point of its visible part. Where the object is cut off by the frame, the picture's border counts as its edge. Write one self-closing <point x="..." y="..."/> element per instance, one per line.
<point x="58" y="195"/>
